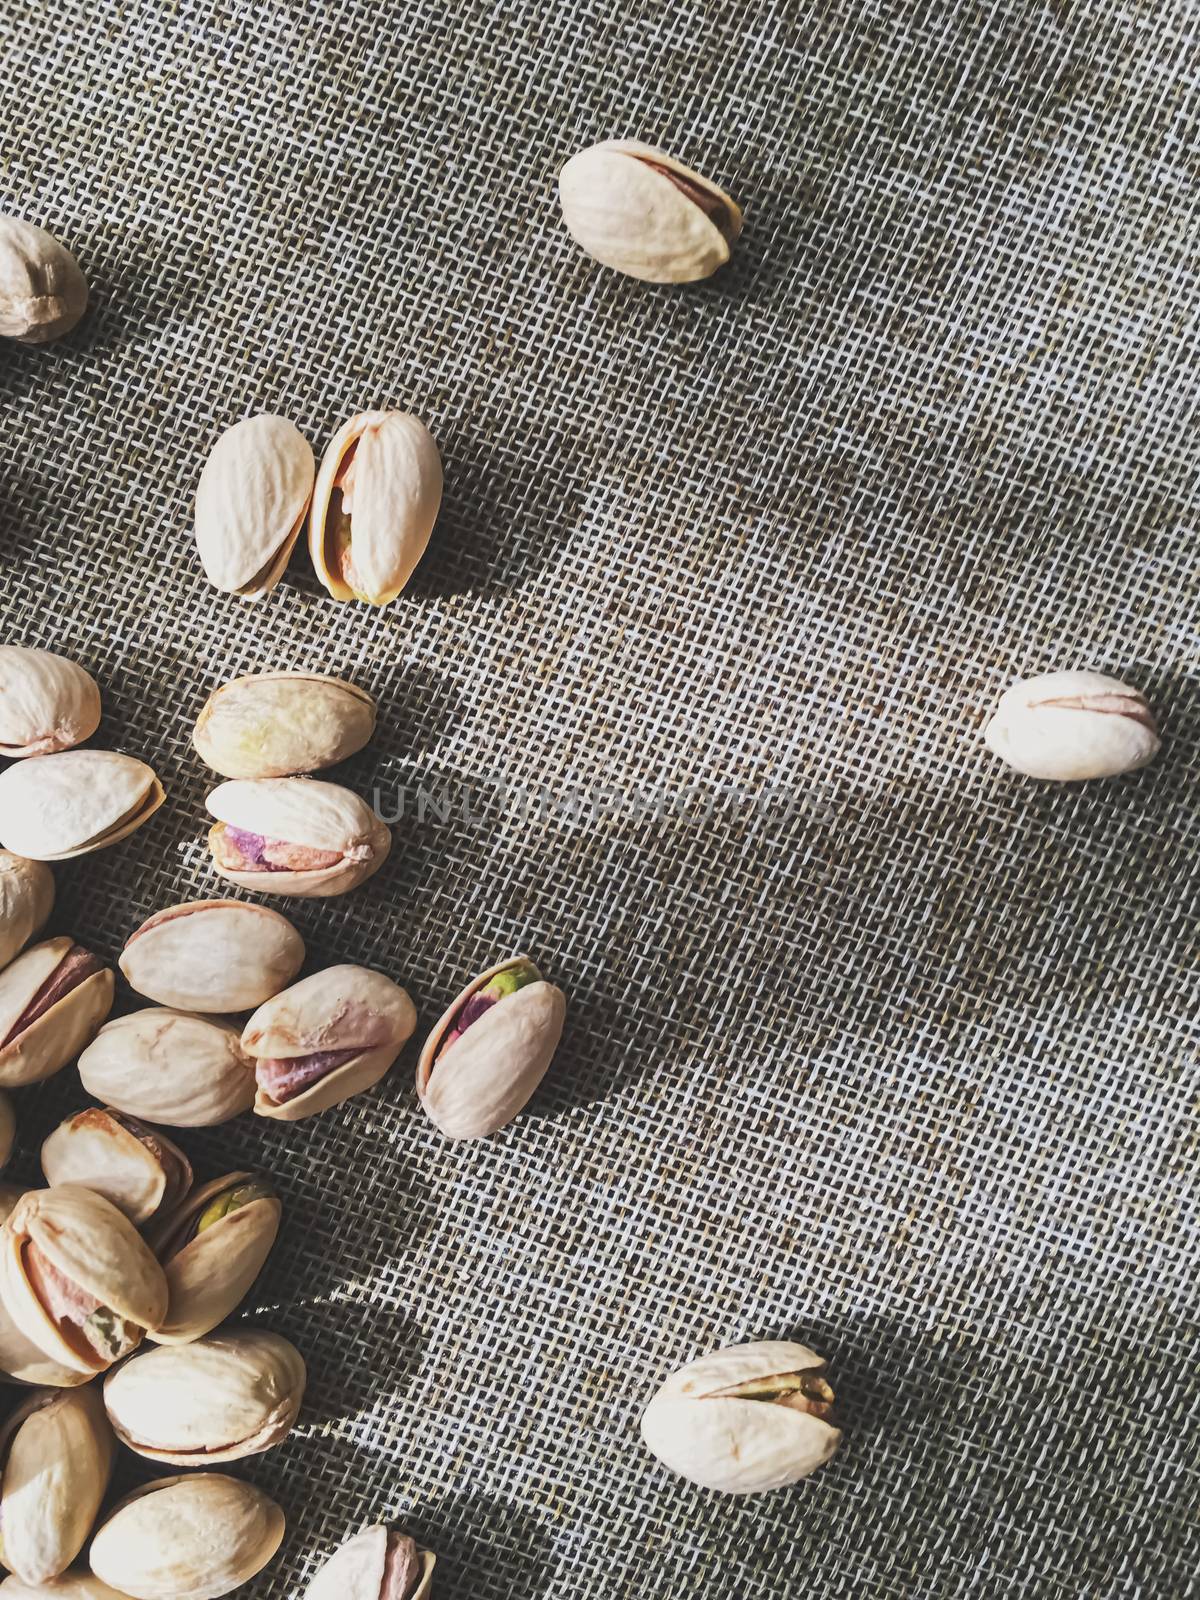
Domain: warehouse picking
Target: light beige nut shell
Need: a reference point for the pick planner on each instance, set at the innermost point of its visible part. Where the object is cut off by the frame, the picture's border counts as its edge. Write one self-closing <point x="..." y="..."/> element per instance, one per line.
<point x="279" y="724"/>
<point x="212" y="956"/>
<point x="192" y="1537"/>
<point x="304" y="811"/>
<point x="210" y="1276"/>
<point x="53" y="808"/>
<point x="43" y="293"/>
<point x="26" y="900"/>
<point x="397" y="496"/>
<point x="8" y="1129"/>
<point x="169" y="1067"/>
<point x="95" y="1151"/>
<point x="492" y="1070"/>
<point x="57" y="1449"/>
<point x="355" y="1570"/>
<point x="74" y="1585"/>
<point x="1103" y="738"/>
<point x="59" y="1034"/>
<point x="251" y="503"/>
<point x="47" y="703"/>
<point x="220" y="1399"/>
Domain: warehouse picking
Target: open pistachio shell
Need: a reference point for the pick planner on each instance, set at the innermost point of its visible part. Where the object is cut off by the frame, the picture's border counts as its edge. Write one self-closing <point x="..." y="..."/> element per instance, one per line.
<point x="251" y="504"/>
<point x="55" y="807"/>
<point x="297" y="836"/>
<point x="52" y="1000"/>
<point x="375" y="502"/>
<point x="134" y="1166"/>
<point x="47" y="703"/>
<point x="43" y="293"/>
<point x="212" y="1248"/>
<point x="359" y="1568"/>
<point x="26" y="900"/>
<point x="74" y="1585"/>
<point x="476" y="1082"/>
<point x="57" y="1452"/>
<point x="277" y="724"/>
<point x="22" y="1361"/>
<point x="194" y="1537"/>
<point x="169" y="1067"/>
<point x="212" y="955"/>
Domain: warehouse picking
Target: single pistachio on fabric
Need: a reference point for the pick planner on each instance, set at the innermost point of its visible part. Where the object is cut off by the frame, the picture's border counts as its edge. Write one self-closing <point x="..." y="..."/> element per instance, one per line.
<point x="376" y="1564"/>
<point x="131" y="1164"/>
<point x="278" y="724"/>
<point x="324" y="1039"/>
<point x="744" y="1419"/>
<point x="251" y="504"/>
<point x="52" y="1000"/>
<point x="376" y="500"/>
<point x="1069" y="726"/>
<point x="43" y="293"/>
<point x="193" y="1537"/>
<point x="169" y="1067"/>
<point x="212" y="1248"/>
<point x="77" y="1278"/>
<point x="56" y="1457"/>
<point x="47" y="703"/>
<point x="296" y="836"/>
<point x="73" y="1585"/>
<point x="212" y="955"/>
<point x="635" y="208"/>
<point x="490" y="1050"/>
<point x="55" y="807"/>
<point x="26" y="900"/>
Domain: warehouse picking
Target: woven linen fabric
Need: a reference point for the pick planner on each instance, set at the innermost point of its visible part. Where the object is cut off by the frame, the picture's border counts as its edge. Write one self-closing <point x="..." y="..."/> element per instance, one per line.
<point x="871" y="1042"/>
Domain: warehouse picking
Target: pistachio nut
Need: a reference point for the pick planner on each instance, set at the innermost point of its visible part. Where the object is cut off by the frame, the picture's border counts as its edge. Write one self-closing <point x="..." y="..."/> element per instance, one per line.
<point x="279" y="724"/>
<point x="47" y="703"/>
<point x="64" y="805"/>
<point x="224" y="1397"/>
<point x="297" y="836"/>
<point x="73" y="1585"/>
<point x="1068" y="726"/>
<point x="193" y="1537"/>
<point x="128" y="1162"/>
<point x="8" y="1129"/>
<point x="26" y="900"/>
<point x="52" y="1000"/>
<point x="43" y="294"/>
<point x="376" y="1564"/>
<point x="490" y="1050"/>
<point x="169" y="1067"/>
<point x="56" y="1451"/>
<point x="22" y="1361"/>
<point x="212" y="1248"/>
<point x="77" y="1278"/>
<point x="376" y="500"/>
<point x="744" y="1419"/>
<point x="635" y="208"/>
<point x="324" y="1039"/>
<point x="251" y="504"/>
<point x="212" y="955"/>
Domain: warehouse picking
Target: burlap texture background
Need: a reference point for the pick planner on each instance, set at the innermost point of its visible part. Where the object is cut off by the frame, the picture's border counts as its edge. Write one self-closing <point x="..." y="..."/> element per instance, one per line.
<point x="899" y="1057"/>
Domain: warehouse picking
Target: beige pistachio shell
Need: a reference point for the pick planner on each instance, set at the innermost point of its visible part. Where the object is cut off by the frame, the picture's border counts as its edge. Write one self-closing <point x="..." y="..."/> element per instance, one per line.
<point x="45" y="1046"/>
<point x="169" y="1067"/>
<point x="380" y="482"/>
<point x="1071" y="726"/>
<point x="355" y="1570"/>
<point x="74" y="1585"/>
<point x="488" y="1075"/>
<point x="43" y="293"/>
<point x="25" y="1363"/>
<point x="251" y="504"/>
<point x="8" y="1129"/>
<point x="209" y="1275"/>
<point x="26" y="900"/>
<point x="57" y="1450"/>
<point x="47" y="703"/>
<point x="212" y="955"/>
<point x="224" y="1397"/>
<point x="278" y="724"/>
<point x="308" y="813"/>
<point x="134" y="1166"/>
<point x="193" y="1537"/>
<point x="736" y="1444"/>
<point x="55" y="807"/>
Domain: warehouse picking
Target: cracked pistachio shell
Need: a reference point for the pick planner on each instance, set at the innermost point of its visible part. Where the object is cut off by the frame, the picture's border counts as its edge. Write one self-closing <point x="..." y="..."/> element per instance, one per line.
<point x="315" y="819"/>
<point x="355" y="1571"/>
<point x="88" y="1241"/>
<point x="193" y="1537"/>
<point x="209" y="1274"/>
<point x="635" y="208"/>
<point x="57" y="1451"/>
<point x="43" y="293"/>
<point x="26" y="900"/>
<point x="251" y="504"/>
<point x="8" y="1129"/>
<point x="279" y="724"/>
<point x="489" y="1073"/>
<point x="736" y="1444"/>
<point x="21" y="1361"/>
<point x="47" y="703"/>
<point x="212" y="955"/>
<point x="134" y="1166"/>
<point x="374" y="506"/>
<point x="55" y="807"/>
<point x="342" y="1008"/>
<point x="74" y="1585"/>
<point x="1069" y="726"/>
<point x="169" y="1067"/>
<point x="44" y="1046"/>
<point x="219" y="1399"/>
